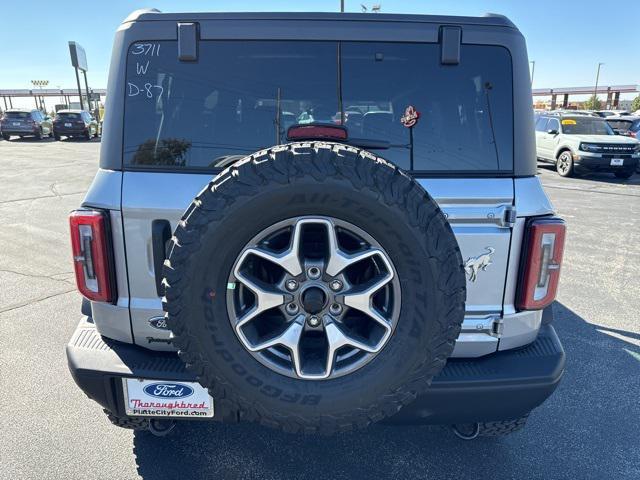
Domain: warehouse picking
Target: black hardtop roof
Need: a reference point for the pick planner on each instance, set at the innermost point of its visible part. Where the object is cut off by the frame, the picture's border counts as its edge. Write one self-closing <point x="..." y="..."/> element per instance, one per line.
<point x="488" y="19"/>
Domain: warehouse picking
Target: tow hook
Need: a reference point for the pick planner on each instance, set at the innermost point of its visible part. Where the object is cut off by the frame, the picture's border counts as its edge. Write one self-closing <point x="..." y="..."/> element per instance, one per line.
<point x="466" y="431"/>
<point x="161" y="428"/>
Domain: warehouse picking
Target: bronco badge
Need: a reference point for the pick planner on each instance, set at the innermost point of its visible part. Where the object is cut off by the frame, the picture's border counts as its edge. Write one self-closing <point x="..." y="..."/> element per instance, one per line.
<point x="474" y="264"/>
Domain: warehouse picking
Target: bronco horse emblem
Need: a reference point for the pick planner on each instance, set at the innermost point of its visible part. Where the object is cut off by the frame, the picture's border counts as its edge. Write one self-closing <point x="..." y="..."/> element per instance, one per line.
<point x="474" y="264"/>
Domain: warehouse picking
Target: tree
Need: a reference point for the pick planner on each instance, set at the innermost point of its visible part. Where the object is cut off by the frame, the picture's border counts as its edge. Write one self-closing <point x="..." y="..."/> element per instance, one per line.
<point x="592" y="104"/>
<point x="635" y="104"/>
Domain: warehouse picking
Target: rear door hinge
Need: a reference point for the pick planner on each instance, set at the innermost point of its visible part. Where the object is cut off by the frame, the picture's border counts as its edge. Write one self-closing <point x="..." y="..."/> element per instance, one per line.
<point x="498" y="327"/>
<point x="509" y="216"/>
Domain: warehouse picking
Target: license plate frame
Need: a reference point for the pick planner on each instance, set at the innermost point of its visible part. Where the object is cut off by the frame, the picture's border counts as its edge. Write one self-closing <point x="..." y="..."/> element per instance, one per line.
<point x="617" y="162"/>
<point x="171" y="399"/>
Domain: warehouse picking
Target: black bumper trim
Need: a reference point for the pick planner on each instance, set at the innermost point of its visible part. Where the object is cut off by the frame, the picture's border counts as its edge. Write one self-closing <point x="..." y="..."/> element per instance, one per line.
<point x="499" y="386"/>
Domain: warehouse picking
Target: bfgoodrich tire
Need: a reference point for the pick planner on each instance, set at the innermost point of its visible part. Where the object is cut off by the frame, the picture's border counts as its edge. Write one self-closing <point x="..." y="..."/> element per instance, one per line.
<point x="328" y="183"/>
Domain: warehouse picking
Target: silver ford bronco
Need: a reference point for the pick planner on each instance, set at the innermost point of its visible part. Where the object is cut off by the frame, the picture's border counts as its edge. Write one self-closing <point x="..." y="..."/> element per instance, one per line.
<point x="316" y="222"/>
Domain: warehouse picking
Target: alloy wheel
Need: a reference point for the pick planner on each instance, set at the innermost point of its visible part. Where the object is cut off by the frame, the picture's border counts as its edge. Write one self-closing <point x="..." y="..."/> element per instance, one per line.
<point x="313" y="297"/>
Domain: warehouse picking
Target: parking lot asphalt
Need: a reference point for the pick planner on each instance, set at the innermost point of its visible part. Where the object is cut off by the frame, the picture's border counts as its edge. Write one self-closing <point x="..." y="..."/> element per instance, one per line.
<point x="588" y="429"/>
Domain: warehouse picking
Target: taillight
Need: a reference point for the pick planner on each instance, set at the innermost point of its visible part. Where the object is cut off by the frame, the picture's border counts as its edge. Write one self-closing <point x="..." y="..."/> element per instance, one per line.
<point x="543" y="249"/>
<point x="91" y="254"/>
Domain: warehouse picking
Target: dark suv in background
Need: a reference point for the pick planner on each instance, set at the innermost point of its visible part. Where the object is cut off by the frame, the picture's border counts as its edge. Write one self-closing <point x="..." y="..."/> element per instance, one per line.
<point x="74" y="123"/>
<point x="628" y="125"/>
<point x="25" y="123"/>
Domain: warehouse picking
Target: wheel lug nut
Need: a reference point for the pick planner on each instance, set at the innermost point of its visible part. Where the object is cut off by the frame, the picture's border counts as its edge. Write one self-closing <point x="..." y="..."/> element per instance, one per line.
<point x="313" y="321"/>
<point x="336" y="285"/>
<point x="292" y="308"/>
<point x="335" y="309"/>
<point x="291" y="285"/>
<point x="314" y="273"/>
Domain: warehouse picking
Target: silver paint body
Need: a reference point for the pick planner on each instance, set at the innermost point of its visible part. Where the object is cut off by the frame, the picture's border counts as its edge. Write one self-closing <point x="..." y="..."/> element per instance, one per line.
<point x="475" y="208"/>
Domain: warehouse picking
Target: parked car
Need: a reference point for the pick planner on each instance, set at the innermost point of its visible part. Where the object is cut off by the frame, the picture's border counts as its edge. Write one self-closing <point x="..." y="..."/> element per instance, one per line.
<point x="308" y="283"/>
<point x="580" y="144"/>
<point x="25" y="123"/>
<point x="74" y="123"/>
<point x="611" y="113"/>
<point x="589" y="113"/>
<point x="628" y="125"/>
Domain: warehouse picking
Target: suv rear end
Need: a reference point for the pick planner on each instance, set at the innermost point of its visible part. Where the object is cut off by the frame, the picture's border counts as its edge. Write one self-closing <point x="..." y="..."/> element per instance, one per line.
<point x="190" y="94"/>
<point x="25" y="123"/>
<point x="74" y="123"/>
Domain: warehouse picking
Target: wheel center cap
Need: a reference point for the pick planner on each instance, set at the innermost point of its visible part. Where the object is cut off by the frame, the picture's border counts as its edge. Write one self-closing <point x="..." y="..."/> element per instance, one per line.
<point x="313" y="300"/>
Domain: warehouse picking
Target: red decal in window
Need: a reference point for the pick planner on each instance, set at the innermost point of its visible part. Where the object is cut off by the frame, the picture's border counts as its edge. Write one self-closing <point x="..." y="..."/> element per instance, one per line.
<point x="410" y="117"/>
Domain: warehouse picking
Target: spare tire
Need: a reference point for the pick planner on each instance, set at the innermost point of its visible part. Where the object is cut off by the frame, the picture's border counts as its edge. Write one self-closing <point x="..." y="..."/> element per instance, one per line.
<point x="314" y="287"/>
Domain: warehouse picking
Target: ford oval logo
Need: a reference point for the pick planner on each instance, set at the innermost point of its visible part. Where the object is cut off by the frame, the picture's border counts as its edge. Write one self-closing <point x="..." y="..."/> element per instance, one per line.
<point x="159" y="322"/>
<point x="168" y="390"/>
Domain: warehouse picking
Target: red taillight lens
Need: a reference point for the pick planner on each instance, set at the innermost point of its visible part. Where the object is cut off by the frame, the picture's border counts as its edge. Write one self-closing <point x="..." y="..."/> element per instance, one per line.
<point x="543" y="249"/>
<point x="91" y="254"/>
<point x="316" y="131"/>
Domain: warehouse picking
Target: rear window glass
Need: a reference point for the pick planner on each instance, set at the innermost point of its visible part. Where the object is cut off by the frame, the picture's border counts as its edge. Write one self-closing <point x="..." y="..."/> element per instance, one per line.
<point x="69" y="116"/>
<point x="622" y="125"/>
<point x="18" y="115"/>
<point x="243" y="96"/>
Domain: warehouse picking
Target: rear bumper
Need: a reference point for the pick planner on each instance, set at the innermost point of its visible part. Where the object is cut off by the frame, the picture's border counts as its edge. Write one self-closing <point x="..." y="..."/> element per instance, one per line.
<point x="500" y="386"/>
<point x="20" y="130"/>
<point x="66" y="131"/>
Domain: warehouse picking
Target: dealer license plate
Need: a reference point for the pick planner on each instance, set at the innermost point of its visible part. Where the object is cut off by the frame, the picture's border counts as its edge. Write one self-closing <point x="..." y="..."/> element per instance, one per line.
<point x="155" y="398"/>
<point x="67" y="124"/>
<point x="617" y="162"/>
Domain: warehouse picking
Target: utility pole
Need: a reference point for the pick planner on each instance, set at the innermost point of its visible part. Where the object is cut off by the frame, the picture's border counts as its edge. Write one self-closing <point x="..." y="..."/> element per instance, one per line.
<point x="86" y="85"/>
<point x="595" y="89"/>
<point x="79" y="90"/>
<point x="40" y="84"/>
<point x="533" y="69"/>
<point x="341" y="6"/>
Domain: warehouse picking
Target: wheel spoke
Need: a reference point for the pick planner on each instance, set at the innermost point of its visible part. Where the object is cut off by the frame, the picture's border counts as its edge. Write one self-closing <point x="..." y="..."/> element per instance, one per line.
<point x="265" y="298"/>
<point x="289" y="338"/>
<point x="339" y="260"/>
<point x="361" y="298"/>
<point x="338" y="338"/>
<point x="289" y="259"/>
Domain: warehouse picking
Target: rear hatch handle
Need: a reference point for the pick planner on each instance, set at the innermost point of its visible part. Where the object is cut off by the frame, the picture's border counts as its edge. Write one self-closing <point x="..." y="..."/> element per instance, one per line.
<point x="160" y="236"/>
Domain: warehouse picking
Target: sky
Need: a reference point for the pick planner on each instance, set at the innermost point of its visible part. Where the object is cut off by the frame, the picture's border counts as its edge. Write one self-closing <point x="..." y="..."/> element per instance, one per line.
<point x="565" y="38"/>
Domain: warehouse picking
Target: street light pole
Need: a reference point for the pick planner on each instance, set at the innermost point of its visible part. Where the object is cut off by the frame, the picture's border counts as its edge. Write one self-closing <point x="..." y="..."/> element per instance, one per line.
<point x="40" y="84"/>
<point x="595" y="89"/>
<point x="533" y="69"/>
<point x="341" y="6"/>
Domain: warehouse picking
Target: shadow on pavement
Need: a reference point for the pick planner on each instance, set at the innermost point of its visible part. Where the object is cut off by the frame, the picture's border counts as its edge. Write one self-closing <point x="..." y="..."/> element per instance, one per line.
<point x="52" y="140"/>
<point x="587" y="429"/>
<point x="594" y="177"/>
